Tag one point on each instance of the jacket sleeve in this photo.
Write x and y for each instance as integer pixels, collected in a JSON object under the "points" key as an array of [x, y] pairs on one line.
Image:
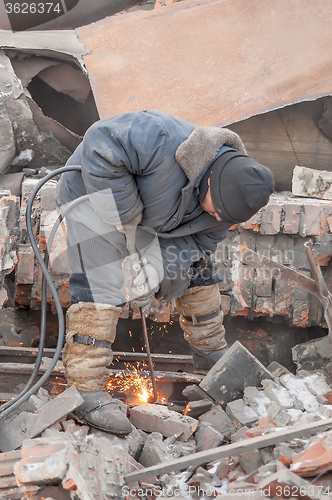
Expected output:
{"points": [[179, 254], [114, 152]]}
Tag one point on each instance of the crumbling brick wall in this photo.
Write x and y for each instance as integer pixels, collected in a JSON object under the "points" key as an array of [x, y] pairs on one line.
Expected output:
{"points": [[9, 234], [278, 232]]}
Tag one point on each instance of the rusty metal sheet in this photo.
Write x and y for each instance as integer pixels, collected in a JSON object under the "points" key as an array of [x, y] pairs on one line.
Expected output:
{"points": [[212, 62]]}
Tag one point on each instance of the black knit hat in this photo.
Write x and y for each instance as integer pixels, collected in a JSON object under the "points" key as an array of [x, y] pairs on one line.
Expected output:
{"points": [[239, 186]]}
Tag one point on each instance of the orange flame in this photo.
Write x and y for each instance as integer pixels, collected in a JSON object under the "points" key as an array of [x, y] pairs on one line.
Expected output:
{"points": [[134, 381], [186, 410]]}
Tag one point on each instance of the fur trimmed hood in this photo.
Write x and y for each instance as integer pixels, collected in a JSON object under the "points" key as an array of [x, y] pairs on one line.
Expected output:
{"points": [[198, 151]]}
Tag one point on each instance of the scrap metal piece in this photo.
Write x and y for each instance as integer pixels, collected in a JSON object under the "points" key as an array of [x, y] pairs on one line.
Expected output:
{"points": [[153, 398], [211, 63], [234, 371], [323, 295]]}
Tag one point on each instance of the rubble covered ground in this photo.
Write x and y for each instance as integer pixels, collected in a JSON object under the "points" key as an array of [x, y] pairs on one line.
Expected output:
{"points": [[259, 424], [267, 433]]}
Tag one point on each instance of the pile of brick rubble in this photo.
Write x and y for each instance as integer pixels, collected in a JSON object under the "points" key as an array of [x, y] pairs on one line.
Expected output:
{"points": [[46, 454]]}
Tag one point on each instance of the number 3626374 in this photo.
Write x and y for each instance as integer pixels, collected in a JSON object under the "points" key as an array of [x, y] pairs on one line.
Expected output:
{"points": [[33, 8]]}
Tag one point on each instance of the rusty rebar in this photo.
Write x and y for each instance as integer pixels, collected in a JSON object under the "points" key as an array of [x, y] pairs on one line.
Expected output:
{"points": [[153, 398]]}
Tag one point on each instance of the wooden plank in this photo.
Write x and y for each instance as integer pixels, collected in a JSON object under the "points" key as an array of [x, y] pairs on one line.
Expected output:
{"points": [[244, 446]]}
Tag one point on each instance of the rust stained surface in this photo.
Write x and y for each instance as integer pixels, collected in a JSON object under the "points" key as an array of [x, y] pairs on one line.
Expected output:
{"points": [[213, 62]]}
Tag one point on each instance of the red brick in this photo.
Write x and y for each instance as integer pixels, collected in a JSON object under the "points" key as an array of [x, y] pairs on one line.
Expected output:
{"points": [[263, 287], [286, 252], [282, 297], [315, 310], [253, 224], [242, 296], [326, 218], [225, 303], [271, 219], [300, 313], [264, 306], [25, 267], [292, 218], [298, 292], [47, 196], [220, 468], [310, 220]]}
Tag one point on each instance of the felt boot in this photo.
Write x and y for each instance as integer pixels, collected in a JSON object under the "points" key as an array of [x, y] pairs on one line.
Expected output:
{"points": [[201, 320], [91, 330]]}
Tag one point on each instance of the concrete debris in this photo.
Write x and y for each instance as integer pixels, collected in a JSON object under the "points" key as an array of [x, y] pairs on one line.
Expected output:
{"points": [[155, 418], [195, 393], [133, 443], [312, 183], [284, 454], [313, 355], [90, 466], [13, 431], [250, 461], [155, 450], [219, 420], [207, 437], [279, 394], [60, 457], [241, 414], [197, 408], [298, 390]]}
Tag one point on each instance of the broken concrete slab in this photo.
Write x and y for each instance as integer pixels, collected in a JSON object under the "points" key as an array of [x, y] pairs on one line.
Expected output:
{"points": [[157, 418], [278, 393], [277, 369], [257, 400], [317, 384], [312, 183], [207, 437], [250, 461], [194, 393], [155, 450], [237, 369], [133, 443], [196, 408], [219, 420], [313, 355], [298, 390], [28, 425], [241, 414]]}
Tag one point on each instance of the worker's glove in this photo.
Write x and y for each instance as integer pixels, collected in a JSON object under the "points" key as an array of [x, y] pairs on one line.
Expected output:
{"points": [[145, 285]]}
